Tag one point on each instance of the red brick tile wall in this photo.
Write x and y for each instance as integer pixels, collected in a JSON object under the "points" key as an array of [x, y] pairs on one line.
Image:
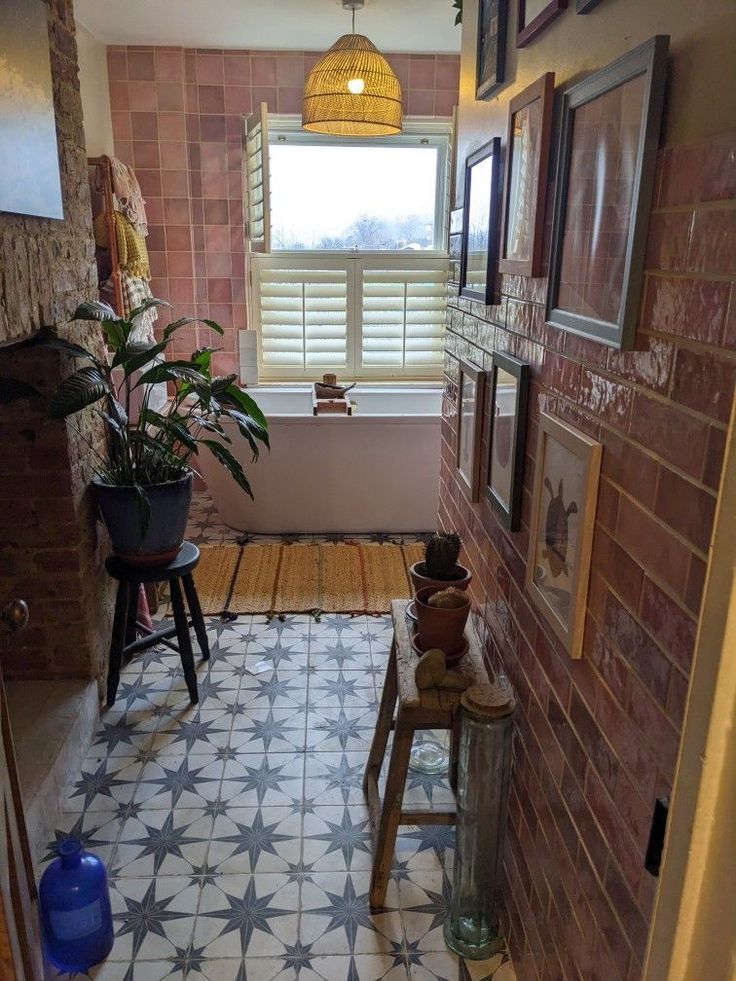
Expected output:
{"points": [[598, 738], [51, 547], [177, 119]]}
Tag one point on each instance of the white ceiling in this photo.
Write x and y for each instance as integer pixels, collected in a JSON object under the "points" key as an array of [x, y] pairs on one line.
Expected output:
{"points": [[393, 25]]}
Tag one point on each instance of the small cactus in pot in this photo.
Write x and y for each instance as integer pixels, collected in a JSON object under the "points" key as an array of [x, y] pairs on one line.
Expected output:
{"points": [[440, 564]]}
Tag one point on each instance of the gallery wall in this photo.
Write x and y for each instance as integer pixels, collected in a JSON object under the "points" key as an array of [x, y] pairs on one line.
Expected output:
{"points": [[598, 737]]}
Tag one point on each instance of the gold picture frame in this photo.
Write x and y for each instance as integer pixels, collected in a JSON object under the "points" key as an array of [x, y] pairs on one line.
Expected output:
{"points": [[566, 474]]}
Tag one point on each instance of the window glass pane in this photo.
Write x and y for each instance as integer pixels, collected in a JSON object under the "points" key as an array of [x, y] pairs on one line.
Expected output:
{"points": [[352, 197]]}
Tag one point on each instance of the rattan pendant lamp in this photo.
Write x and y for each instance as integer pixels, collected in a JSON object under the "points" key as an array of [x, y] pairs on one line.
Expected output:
{"points": [[352, 90]]}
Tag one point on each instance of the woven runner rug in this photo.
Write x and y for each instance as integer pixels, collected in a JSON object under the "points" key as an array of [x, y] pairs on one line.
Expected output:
{"points": [[346, 577]]}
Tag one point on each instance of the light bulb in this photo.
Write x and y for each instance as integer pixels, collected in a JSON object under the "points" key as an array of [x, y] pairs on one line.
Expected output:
{"points": [[356, 86]]}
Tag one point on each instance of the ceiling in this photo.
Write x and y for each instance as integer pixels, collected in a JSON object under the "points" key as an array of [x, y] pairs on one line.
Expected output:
{"points": [[393, 25]]}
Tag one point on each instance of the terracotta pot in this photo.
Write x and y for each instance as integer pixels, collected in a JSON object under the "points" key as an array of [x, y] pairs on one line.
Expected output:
{"points": [[437, 627], [450, 659], [420, 581], [121, 511]]}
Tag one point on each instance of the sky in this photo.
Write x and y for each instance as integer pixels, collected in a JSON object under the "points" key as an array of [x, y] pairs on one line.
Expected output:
{"points": [[320, 190]]}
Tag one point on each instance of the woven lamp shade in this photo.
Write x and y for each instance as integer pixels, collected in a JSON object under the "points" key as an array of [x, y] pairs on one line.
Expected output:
{"points": [[330, 107]]}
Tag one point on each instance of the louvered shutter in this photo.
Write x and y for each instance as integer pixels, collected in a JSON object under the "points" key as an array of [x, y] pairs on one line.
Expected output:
{"points": [[256, 177], [304, 312], [403, 314]]}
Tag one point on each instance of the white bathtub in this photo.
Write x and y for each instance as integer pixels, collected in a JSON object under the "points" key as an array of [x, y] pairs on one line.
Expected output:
{"points": [[377, 470]]}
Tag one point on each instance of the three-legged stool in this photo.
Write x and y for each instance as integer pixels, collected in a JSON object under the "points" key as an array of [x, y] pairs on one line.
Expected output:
{"points": [[429, 709], [177, 573]]}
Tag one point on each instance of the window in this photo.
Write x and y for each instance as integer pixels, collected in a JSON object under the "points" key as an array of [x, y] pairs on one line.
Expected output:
{"points": [[348, 262]]}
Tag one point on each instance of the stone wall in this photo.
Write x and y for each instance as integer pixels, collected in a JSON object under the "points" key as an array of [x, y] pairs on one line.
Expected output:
{"points": [[51, 548]]}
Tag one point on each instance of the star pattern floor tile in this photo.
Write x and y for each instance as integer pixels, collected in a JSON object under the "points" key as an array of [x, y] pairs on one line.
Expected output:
{"points": [[236, 833]]}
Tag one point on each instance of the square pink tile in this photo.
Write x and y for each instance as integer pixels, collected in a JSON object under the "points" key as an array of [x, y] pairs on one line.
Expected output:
{"points": [[159, 267], [289, 70], [192, 127], [261, 94], [212, 98], [401, 69], [171, 126], [145, 154], [141, 65], [421, 73], [212, 128], [154, 209], [290, 99], [237, 99], [173, 155], [170, 96], [175, 183], [444, 103], [150, 182], [210, 69], [217, 238], [169, 65], [420, 102], [121, 128], [181, 291], [144, 125], [142, 96], [214, 185], [447, 75], [117, 64], [177, 211], [263, 70], [237, 68], [214, 158], [219, 265], [180, 264], [216, 212], [191, 97], [119, 95], [219, 290]]}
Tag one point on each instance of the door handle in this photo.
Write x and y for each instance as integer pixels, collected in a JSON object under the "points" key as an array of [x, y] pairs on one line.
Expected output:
{"points": [[14, 616]]}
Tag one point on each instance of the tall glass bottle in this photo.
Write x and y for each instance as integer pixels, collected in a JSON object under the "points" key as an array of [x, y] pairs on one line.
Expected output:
{"points": [[484, 770]]}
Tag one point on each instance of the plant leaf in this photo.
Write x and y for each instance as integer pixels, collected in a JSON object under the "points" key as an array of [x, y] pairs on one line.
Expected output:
{"points": [[144, 509], [147, 305], [246, 403], [47, 338], [171, 371], [171, 425], [176, 324], [139, 359], [213, 325], [233, 467], [81, 389], [12, 389], [94, 310]]}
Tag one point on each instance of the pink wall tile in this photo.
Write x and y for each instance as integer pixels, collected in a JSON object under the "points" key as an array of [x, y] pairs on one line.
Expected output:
{"points": [[289, 70], [263, 70], [174, 155], [142, 96], [169, 65], [289, 100], [170, 96], [119, 95], [211, 98], [171, 126], [210, 69], [237, 68], [117, 64], [237, 99], [141, 66]]}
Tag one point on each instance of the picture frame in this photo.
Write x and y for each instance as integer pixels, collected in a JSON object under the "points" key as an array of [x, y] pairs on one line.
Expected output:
{"points": [[535, 16], [525, 181], [491, 50], [508, 397], [566, 474], [606, 164], [585, 6], [454, 244], [470, 396], [481, 223]]}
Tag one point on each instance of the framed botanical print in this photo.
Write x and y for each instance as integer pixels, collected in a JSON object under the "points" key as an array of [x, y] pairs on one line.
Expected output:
{"points": [[470, 394], [603, 194], [533, 16], [509, 392], [491, 58], [566, 471], [481, 220], [525, 184]]}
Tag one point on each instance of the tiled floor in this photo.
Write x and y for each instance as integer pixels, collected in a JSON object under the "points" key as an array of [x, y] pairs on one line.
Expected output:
{"points": [[236, 833]]}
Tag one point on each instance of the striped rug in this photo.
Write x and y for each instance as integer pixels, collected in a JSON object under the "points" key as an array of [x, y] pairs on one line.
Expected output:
{"points": [[274, 578]]}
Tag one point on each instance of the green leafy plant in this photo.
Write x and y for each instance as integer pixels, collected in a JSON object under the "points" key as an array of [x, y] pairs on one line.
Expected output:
{"points": [[458, 5], [158, 447]]}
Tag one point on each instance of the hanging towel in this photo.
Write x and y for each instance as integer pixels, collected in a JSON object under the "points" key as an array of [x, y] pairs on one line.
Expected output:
{"points": [[128, 192], [135, 292], [132, 250]]}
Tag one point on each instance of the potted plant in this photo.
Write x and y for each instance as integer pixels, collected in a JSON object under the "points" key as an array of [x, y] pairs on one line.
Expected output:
{"points": [[440, 566], [441, 617], [143, 482]]}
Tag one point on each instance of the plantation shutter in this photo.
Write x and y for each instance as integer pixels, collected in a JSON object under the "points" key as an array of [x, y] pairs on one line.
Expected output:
{"points": [[304, 315], [257, 189], [403, 314]]}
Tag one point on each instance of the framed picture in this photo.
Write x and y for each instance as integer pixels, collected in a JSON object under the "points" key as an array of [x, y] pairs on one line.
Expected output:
{"points": [[534, 16], [481, 220], [585, 6], [455, 240], [566, 471], [491, 59], [29, 157], [603, 194], [525, 184], [470, 393], [509, 392]]}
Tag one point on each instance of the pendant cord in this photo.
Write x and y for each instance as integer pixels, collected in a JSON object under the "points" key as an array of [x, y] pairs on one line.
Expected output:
{"points": [[353, 20]]}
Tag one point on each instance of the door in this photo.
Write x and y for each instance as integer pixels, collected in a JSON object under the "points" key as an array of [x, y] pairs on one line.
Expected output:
{"points": [[20, 951]]}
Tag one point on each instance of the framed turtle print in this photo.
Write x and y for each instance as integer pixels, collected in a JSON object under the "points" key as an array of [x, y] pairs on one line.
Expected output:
{"points": [[609, 139], [566, 471], [491, 58], [481, 221], [525, 184], [470, 394], [534, 16], [509, 390]]}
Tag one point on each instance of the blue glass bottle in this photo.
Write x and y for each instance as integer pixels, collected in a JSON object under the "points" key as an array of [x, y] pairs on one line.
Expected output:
{"points": [[74, 901]]}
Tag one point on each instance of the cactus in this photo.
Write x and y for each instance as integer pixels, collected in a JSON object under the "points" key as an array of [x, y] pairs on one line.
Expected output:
{"points": [[441, 554], [448, 599]]}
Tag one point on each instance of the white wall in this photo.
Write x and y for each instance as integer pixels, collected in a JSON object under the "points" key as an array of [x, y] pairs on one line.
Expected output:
{"points": [[95, 93]]}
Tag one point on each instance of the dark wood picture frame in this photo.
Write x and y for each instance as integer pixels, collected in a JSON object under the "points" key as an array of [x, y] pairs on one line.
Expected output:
{"points": [[510, 516], [526, 32], [541, 91], [491, 14], [649, 60], [491, 149], [476, 374], [585, 6]]}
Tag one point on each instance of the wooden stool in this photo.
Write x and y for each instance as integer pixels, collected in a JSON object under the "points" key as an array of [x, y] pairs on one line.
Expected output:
{"points": [[430, 709], [126, 606]]}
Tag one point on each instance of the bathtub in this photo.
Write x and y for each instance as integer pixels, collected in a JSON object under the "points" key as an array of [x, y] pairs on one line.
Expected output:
{"points": [[377, 470]]}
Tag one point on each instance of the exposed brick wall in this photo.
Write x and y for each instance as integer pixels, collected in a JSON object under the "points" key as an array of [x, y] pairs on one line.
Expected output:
{"points": [[177, 118], [598, 738], [50, 553]]}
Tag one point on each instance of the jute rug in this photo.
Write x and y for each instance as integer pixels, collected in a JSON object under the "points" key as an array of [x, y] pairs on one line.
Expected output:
{"points": [[347, 577]]}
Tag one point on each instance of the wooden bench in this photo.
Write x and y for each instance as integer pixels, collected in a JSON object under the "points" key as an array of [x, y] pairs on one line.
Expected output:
{"points": [[428, 709]]}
